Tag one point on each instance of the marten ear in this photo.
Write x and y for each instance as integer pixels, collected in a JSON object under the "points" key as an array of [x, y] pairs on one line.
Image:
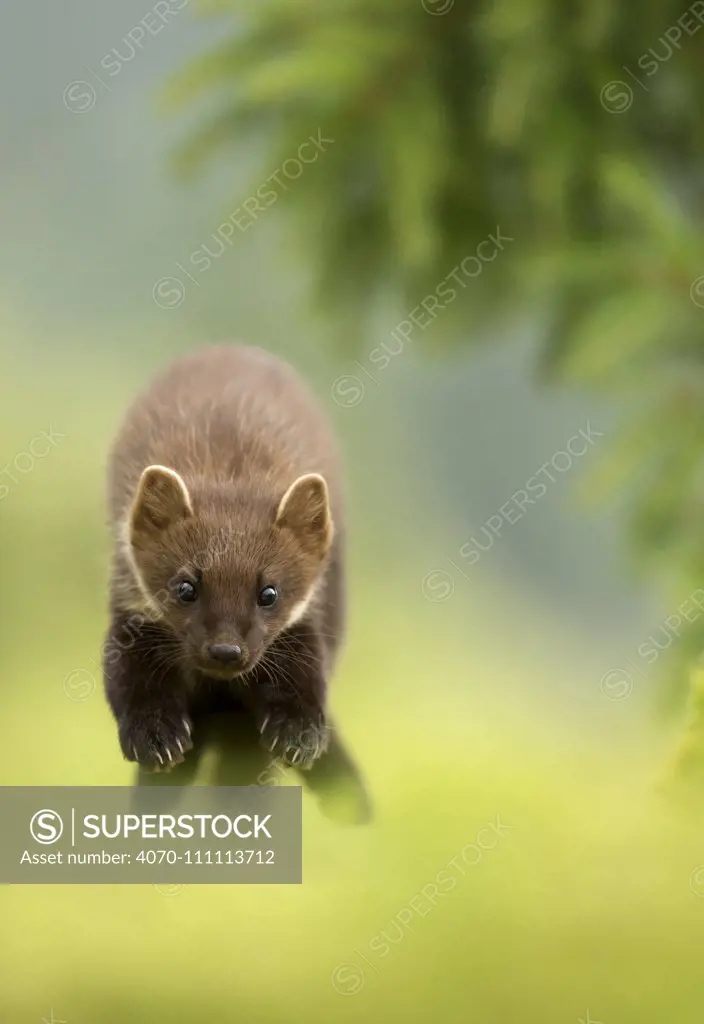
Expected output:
{"points": [[162, 499], [305, 510]]}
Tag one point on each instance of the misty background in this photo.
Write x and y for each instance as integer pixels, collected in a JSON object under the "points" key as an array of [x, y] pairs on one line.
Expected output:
{"points": [[467, 692], [92, 220]]}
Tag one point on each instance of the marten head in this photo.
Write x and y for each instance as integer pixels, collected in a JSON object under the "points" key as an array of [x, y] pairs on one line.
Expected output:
{"points": [[227, 569]]}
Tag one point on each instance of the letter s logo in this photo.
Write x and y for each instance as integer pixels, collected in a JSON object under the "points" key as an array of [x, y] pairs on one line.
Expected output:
{"points": [[79, 97], [46, 827]]}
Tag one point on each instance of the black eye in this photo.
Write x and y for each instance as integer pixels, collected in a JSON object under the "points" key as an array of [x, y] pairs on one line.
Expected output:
{"points": [[186, 592], [267, 597]]}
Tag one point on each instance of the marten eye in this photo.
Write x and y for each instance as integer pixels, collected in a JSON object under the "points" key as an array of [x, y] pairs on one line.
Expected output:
{"points": [[268, 596], [186, 592]]}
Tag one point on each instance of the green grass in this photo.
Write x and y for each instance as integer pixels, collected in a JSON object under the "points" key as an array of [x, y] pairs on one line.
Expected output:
{"points": [[584, 903]]}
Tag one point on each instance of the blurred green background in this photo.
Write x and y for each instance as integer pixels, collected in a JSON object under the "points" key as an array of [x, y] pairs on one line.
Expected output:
{"points": [[511, 689]]}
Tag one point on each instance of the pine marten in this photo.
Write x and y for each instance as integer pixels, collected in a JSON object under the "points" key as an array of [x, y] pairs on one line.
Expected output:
{"points": [[226, 510]]}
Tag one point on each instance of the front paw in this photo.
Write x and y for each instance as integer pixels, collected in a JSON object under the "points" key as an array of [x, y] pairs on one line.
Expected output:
{"points": [[296, 738], [156, 740]]}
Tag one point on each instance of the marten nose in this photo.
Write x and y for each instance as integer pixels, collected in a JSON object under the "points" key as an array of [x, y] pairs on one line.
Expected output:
{"points": [[229, 654]]}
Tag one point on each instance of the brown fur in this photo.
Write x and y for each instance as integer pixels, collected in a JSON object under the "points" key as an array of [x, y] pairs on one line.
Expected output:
{"points": [[224, 474]]}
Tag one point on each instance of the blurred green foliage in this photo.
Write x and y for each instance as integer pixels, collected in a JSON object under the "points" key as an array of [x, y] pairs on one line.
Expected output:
{"points": [[575, 128]]}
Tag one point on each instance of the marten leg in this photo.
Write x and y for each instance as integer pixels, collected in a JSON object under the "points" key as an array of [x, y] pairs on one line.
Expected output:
{"points": [[289, 698], [147, 693]]}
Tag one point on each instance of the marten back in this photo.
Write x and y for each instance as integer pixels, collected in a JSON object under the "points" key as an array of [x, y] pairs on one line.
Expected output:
{"points": [[224, 415]]}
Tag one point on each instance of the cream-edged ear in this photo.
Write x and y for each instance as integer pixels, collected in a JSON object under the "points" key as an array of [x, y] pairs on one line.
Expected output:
{"points": [[305, 510], [162, 499]]}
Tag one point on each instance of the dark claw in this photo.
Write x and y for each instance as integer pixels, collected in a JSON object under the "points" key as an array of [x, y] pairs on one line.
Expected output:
{"points": [[296, 740], [155, 740]]}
